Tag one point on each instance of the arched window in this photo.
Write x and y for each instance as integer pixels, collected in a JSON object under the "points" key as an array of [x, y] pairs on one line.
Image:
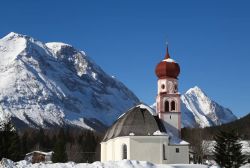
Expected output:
{"points": [[124, 151], [175, 88], [173, 106], [166, 106], [164, 152]]}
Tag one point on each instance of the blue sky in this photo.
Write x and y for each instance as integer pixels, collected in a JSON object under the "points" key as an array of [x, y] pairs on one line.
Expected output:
{"points": [[210, 40]]}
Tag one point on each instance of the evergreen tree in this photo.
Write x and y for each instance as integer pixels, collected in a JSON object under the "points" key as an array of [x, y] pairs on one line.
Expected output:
{"points": [[43, 141], [60, 154], [227, 151], [14, 148], [2, 141], [24, 144], [88, 145], [9, 142]]}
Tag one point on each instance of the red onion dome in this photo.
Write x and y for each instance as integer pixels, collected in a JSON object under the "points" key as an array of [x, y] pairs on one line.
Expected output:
{"points": [[167, 68]]}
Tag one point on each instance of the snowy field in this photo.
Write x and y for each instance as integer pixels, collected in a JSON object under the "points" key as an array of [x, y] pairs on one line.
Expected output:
{"points": [[5, 163]]}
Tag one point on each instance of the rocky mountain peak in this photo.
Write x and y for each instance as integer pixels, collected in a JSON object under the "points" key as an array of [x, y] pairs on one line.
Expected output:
{"points": [[199, 108], [54, 84]]}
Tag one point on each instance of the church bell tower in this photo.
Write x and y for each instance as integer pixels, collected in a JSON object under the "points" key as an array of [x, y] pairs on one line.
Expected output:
{"points": [[168, 97]]}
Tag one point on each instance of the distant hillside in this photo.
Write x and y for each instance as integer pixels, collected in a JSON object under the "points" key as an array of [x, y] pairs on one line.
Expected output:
{"points": [[240, 126]]}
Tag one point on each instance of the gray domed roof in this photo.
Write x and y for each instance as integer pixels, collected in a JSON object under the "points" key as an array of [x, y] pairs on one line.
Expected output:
{"points": [[138, 121]]}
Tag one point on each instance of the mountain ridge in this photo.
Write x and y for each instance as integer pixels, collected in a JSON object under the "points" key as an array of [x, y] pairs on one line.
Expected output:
{"points": [[206, 111], [56, 84], [198, 110]]}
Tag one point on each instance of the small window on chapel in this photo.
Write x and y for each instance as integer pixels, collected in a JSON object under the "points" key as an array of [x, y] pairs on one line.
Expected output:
{"points": [[124, 151], [177, 150], [162, 86], [164, 152]]}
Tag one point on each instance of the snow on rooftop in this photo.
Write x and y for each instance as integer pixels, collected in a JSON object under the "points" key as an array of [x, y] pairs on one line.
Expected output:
{"points": [[174, 139], [182, 142], [144, 106], [158, 132], [169, 60], [40, 152], [177, 141]]}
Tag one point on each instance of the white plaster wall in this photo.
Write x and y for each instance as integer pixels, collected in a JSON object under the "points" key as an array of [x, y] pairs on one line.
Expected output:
{"points": [[112, 149], [162, 82], [103, 151], [181, 157], [118, 143], [148, 148], [109, 150], [144, 148], [165, 82], [171, 124]]}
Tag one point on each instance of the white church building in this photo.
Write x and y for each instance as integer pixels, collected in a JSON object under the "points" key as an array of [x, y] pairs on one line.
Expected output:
{"points": [[146, 135]]}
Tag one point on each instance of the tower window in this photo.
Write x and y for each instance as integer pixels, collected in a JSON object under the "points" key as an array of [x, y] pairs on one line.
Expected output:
{"points": [[166, 106], [173, 106], [177, 150], [164, 152], [124, 151], [163, 86], [175, 88]]}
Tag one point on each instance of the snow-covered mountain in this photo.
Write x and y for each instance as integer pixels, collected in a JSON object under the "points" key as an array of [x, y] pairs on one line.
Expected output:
{"points": [[53, 84], [198, 110]]}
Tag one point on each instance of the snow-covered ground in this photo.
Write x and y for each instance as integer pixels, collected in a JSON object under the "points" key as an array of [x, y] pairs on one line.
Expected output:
{"points": [[5, 163]]}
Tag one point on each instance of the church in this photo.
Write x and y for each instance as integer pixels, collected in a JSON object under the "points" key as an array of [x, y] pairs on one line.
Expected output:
{"points": [[147, 135]]}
